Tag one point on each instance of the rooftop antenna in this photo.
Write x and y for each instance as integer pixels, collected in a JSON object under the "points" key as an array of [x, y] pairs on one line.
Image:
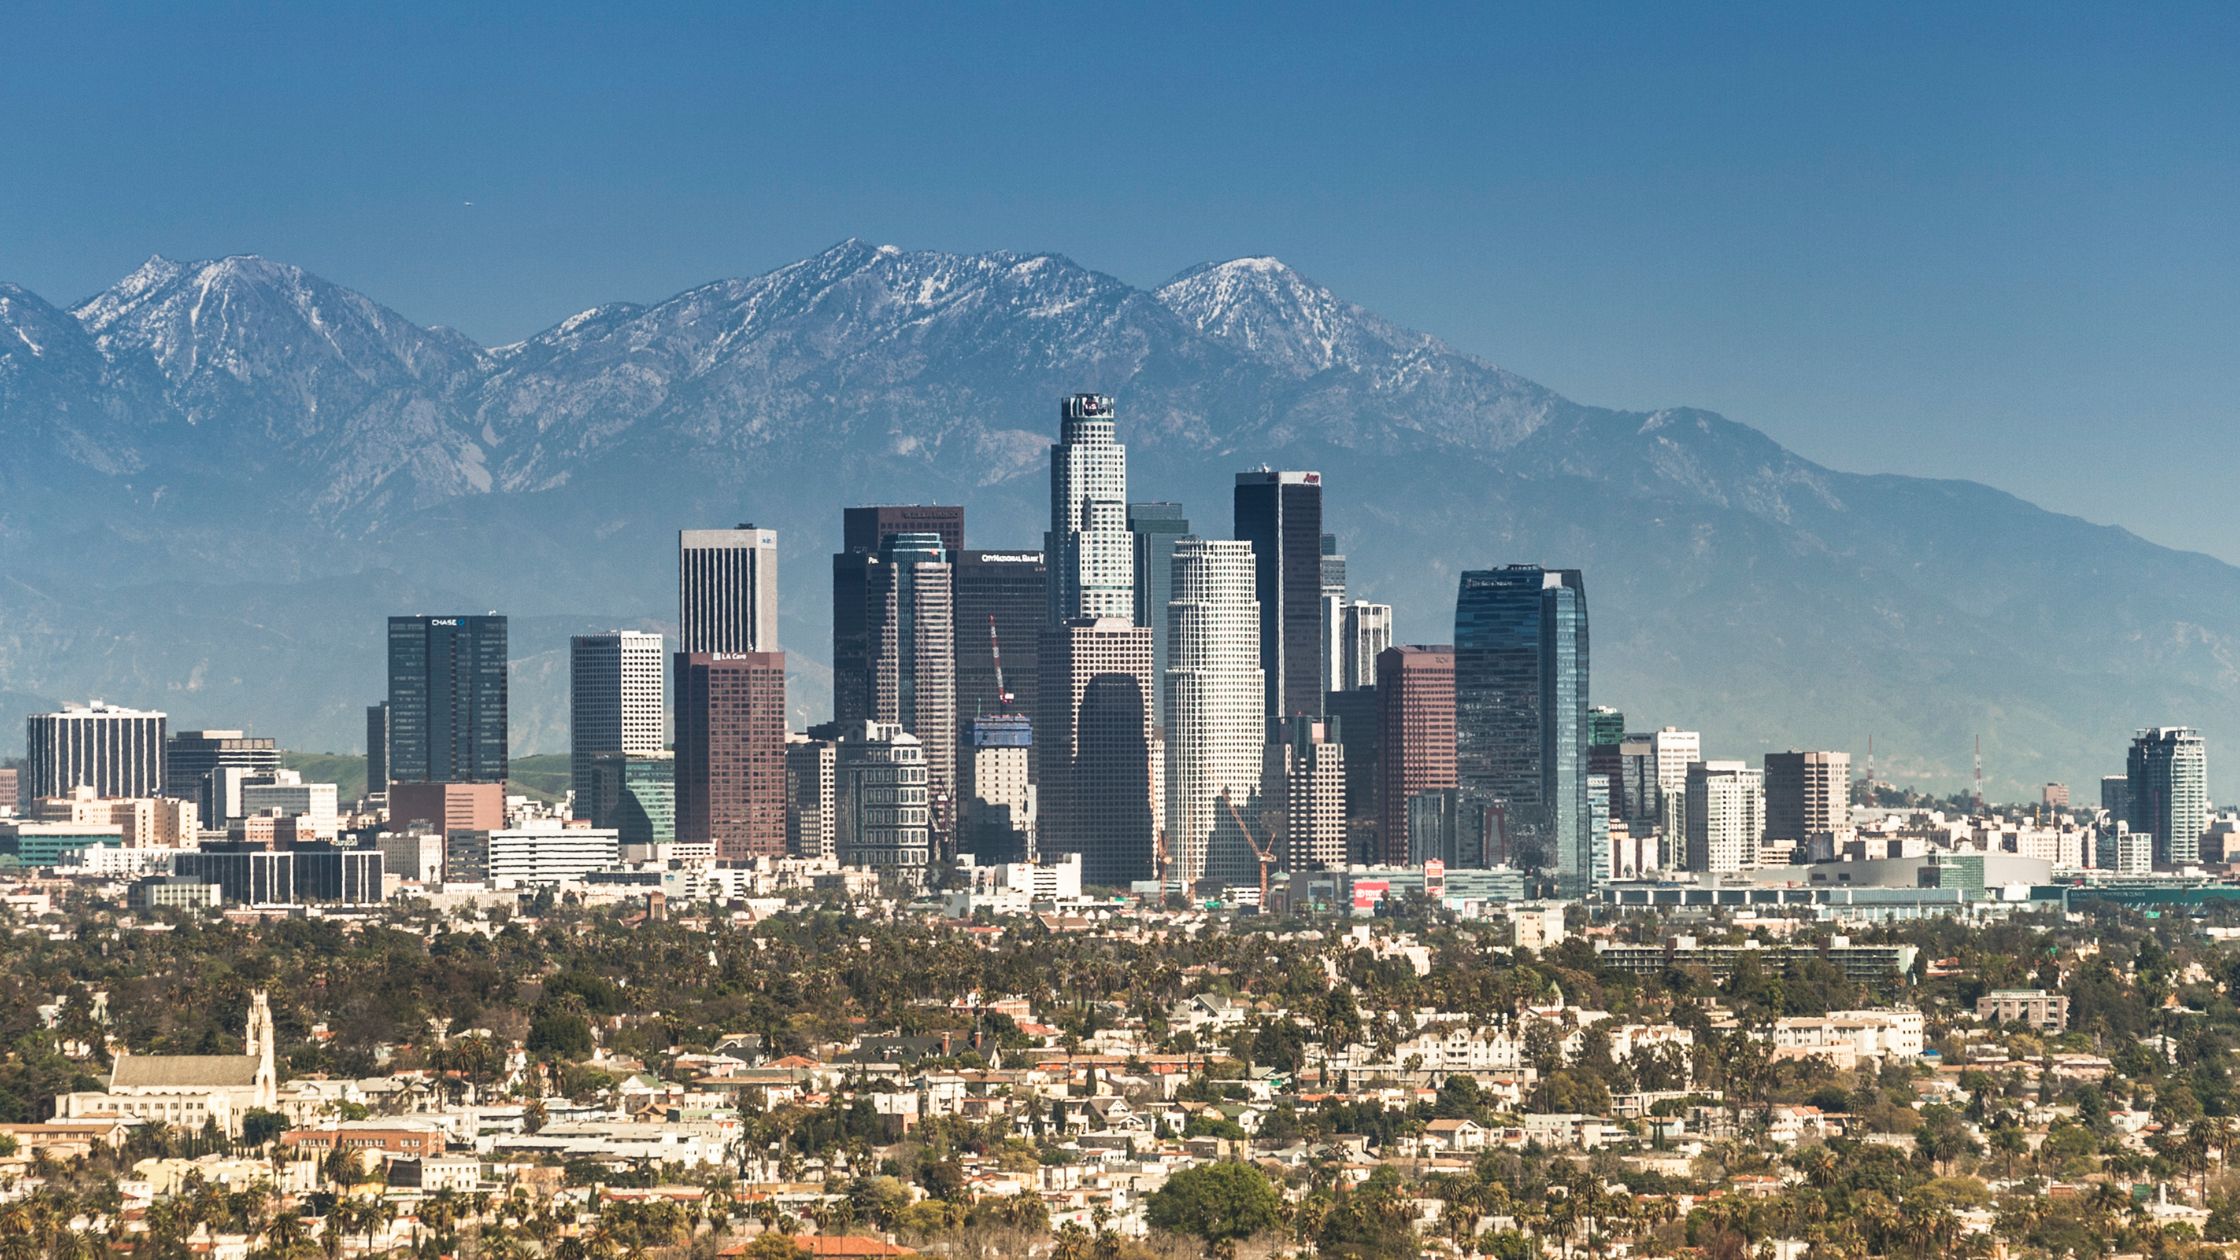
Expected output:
{"points": [[1979, 774]]}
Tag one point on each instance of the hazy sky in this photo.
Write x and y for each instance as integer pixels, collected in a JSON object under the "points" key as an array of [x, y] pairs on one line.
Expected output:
{"points": [[1999, 242]]}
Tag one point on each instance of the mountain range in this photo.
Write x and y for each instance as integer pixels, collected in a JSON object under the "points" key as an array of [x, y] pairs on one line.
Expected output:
{"points": [[217, 478]]}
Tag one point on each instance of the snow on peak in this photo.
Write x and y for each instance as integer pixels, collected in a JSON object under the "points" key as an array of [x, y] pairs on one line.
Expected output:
{"points": [[1263, 306]]}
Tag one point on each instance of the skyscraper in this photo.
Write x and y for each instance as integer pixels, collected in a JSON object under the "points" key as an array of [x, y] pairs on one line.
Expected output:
{"points": [[1415, 737], [1521, 715], [1280, 514], [912, 637], [1726, 816], [812, 793], [377, 749], [727, 590], [864, 534], [1653, 774], [1334, 645], [1091, 553], [1808, 794], [1093, 739], [1368, 632], [1214, 734], [1013, 589], [1307, 786], [447, 699], [2169, 792], [1155, 527], [614, 704], [118, 752], [731, 753], [1354, 719]]}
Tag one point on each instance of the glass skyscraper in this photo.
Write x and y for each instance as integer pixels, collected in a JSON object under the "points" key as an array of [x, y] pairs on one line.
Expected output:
{"points": [[2168, 795], [1280, 514], [447, 699], [1521, 718]]}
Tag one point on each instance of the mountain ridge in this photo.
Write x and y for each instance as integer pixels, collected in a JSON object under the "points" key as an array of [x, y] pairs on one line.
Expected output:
{"points": [[241, 430]]}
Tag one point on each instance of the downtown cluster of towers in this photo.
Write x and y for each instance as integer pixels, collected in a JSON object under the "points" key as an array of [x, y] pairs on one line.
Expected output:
{"points": [[1168, 706]]}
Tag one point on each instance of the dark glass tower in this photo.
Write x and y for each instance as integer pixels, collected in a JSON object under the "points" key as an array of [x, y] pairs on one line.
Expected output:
{"points": [[864, 532], [1155, 526], [1521, 724], [1013, 588], [1280, 514], [447, 699]]}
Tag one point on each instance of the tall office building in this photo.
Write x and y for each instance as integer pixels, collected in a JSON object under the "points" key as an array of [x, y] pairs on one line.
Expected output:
{"points": [[1652, 776], [865, 532], [1306, 785], [727, 590], [190, 756], [731, 753], [1214, 733], [912, 636], [1521, 715], [1091, 553], [377, 750], [812, 788], [998, 823], [1334, 646], [2169, 792], [1808, 794], [1726, 816], [614, 704], [1011, 589], [882, 815], [118, 752], [1093, 739], [447, 699], [1280, 514], [1368, 632], [1415, 738], [1155, 527], [1354, 720]]}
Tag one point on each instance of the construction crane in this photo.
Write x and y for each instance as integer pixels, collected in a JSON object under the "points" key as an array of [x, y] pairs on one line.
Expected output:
{"points": [[995, 650], [1265, 855]]}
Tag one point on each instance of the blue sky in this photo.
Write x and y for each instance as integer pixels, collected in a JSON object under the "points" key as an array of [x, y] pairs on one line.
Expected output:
{"points": [[1990, 241]]}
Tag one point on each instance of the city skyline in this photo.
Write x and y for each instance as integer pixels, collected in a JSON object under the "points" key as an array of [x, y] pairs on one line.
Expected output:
{"points": [[1865, 195]]}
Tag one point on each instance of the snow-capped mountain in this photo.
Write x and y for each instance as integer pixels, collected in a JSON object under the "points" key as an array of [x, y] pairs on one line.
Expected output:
{"points": [[220, 475]]}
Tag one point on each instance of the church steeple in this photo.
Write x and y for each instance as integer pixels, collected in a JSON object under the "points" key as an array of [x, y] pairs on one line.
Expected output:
{"points": [[261, 1040]]}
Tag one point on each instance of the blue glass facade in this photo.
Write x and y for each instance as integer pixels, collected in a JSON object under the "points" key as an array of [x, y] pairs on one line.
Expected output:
{"points": [[1521, 718]]}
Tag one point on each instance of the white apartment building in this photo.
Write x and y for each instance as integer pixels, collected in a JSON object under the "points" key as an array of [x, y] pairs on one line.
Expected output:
{"points": [[1726, 815]]}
